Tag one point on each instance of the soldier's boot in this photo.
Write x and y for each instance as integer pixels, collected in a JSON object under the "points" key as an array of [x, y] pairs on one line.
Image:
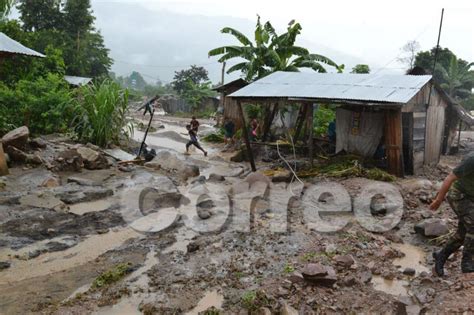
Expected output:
{"points": [[441, 256], [467, 262]]}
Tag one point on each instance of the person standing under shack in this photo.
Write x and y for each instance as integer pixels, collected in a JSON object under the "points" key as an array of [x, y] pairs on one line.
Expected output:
{"points": [[254, 125], [229, 129], [193, 140], [459, 186], [194, 124]]}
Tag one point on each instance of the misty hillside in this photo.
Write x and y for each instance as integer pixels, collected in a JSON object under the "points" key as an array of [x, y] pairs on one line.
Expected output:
{"points": [[157, 43]]}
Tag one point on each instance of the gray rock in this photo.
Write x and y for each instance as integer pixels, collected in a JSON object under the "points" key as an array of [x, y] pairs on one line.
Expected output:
{"points": [[93, 160], [16, 138], [409, 271], [366, 276], [216, 178], [204, 214], [82, 181], [344, 260], [71, 194], [38, 143], [4, 265], [286, 309], [432, 228]]}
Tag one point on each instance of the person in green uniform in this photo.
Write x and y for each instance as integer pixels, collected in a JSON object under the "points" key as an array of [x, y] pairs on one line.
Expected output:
{"points": [[459, 186]]}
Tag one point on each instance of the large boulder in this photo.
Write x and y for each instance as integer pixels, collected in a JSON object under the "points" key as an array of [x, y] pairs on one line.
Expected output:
{"points": [[319, 274], [93, 160], [16, 138], [432, 227], [171, 162]]}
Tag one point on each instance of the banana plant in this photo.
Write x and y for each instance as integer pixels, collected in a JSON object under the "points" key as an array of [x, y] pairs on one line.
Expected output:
{"points": [[270, 52]]}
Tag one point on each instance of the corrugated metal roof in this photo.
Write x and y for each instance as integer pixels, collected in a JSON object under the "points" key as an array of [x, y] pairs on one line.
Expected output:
{"points": [[336, 86], [78, 81], [10, 46]]}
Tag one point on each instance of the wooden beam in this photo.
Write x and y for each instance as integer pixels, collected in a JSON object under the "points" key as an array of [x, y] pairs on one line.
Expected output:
{"points": [[393, 142], [299, 122], [245, 132], [268, 121], [309, 127]]}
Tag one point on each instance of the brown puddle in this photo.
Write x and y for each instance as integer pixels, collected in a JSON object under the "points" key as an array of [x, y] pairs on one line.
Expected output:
{"points": [[48, 263], [393, 287], [210, 299], [414, 258]]}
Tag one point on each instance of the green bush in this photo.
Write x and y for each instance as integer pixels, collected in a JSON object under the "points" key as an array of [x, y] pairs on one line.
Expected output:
{"points": [[322, 117], [44, 105], [102, 113]]}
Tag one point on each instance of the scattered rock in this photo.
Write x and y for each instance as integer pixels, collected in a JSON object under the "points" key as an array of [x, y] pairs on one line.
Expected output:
{"points": [[82, 181], [432, 228], [282, 176], [349, 281], [409, 271], [16, 138], [69, 160], [192, 247], [4, 265], [71, 194], [238, 156], [45, 200], [344, 260], [296, 277], [93, 160], [190, 171], [38, 143], [33, 254], [51, 182], [216, 178], [256, 177], [319, 274], [264, 311], [286, 309], [204, 214], [366, 276]]}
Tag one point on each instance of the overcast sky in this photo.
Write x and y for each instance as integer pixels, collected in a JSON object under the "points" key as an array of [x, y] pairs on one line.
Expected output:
{"points": [[371, 30]]}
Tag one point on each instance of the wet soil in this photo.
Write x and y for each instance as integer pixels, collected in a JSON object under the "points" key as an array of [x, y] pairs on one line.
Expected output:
{"points": [[56, 253]]}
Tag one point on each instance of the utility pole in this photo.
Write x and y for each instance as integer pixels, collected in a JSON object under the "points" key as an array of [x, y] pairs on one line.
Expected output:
{"points": [[223, 73]]}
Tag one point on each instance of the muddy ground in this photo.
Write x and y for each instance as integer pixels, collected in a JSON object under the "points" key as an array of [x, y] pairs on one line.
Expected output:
{"points": [[61, 229]]}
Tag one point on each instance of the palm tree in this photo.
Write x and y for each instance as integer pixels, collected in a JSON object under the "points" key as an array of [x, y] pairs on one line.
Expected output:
{"points": [[457, 78], [270, 52]]}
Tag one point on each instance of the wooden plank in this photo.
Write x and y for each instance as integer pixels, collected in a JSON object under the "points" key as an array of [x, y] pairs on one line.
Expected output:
{"points": [[393, 142], [407, 124], [418, 133], [435, 123], [309, 126], [245, 132], [299, 122]]}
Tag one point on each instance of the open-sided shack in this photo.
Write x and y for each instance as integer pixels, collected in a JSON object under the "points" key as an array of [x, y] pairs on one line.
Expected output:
{"points": [[396, 110]]}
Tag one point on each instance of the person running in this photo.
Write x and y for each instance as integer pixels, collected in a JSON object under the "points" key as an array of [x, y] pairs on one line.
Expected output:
{"points": [[459, 186], [194, 124], [193, 140]]}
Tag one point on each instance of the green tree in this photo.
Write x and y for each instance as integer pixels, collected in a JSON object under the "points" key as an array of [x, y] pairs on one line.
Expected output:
{"points": [[452, 73], [361, 68], [38, 15], [195, 74], [270, 52], [196, 93]]}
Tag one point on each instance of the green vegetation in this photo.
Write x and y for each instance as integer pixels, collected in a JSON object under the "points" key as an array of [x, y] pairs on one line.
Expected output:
{"points": [[288, 268], [270, 52], [216, 137], [347, 166], [101, 116], [43, 104], [360, 68], [111, 276], [323, 116], [452, 73]]}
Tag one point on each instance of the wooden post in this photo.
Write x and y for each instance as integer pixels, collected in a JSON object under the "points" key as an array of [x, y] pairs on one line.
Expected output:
{"points": [[3, 162], [299, 122], [393, 142], [309, 127], [245, 132], [459, 134], [268, 121]]}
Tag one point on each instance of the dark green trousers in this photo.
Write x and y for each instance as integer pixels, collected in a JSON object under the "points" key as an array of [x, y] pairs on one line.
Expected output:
{"points": [[463, 206]]}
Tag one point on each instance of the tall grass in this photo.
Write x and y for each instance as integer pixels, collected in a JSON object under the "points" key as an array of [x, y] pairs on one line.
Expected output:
{"points": [[102, 113]]}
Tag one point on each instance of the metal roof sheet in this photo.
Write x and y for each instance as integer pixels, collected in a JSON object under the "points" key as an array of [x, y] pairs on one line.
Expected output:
{"points": [[386, 88], [10, 46], [78, 81]]}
